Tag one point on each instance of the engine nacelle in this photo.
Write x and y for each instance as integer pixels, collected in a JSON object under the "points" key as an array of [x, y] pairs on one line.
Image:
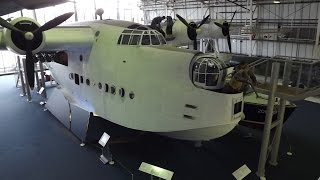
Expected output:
{"points": [[16, 41]]}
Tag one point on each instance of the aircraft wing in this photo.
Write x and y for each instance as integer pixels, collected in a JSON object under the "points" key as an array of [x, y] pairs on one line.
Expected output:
{"points": [[9, 6], [60, 38], [25, 36]]}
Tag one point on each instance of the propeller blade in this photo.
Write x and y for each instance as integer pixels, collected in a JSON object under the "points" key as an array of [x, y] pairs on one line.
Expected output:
{"points": [[232, 17], [54, 22], [183, 21], [203, 21], [30, 68], [218, 24], [195, 44], [6, 24], [229, 42]]}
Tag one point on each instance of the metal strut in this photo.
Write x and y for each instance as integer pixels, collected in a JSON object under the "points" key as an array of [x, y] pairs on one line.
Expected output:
{"points": [[268, 120]]}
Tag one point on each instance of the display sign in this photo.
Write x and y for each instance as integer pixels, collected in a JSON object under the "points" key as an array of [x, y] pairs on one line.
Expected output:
{"points": [[156, 171], [242, 172], [41, 90], [104, 139]]}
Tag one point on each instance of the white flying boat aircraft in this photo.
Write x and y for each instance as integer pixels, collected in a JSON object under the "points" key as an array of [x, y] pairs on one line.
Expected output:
{"points": [[127, 74]]}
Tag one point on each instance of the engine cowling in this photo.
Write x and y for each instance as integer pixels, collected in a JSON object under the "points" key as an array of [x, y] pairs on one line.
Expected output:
{"points": [[16, 41]]}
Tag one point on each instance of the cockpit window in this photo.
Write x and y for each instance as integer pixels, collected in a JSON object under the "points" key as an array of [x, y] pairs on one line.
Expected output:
{"points": [[155, 40], [162, 40], [120, 38], [127, 31], [137, 32], [145, 40], [125, 39], [141, 37], [135, 39]]}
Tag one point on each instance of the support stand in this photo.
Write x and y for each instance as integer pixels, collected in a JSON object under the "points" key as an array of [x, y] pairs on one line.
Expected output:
{"points": [[280, 117], [43, 81], [268, 120], [37, 81], [27, 83], [21, 76], [106, 155], [41, 88]]}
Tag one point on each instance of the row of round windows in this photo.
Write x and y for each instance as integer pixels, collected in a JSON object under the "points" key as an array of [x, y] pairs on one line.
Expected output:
{"points": [[112, 89]]}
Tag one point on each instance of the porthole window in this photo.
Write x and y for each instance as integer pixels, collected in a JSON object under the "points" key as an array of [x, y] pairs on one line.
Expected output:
{"points": [[121, 92], [71, 76], [97, 33], [76, 79], [131, 95], [100, 85], [113, 90], [106, 87], [88, 82]]}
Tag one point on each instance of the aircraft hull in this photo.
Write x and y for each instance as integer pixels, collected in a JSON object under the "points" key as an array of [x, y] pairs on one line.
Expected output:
{"points": [[255, 115], [164, 98], [202, 134], [255, 110]]}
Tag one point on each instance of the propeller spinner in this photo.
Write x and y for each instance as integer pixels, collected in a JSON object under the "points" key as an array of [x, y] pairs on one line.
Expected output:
{"points": [[28, 37], [225, 26], [192, 29]]}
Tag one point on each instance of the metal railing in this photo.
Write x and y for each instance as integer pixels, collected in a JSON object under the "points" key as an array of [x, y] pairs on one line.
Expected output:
{"points": [[303, 76]]}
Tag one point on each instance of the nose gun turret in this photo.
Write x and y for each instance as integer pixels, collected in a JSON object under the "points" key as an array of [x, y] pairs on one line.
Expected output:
{"points": [[208, 72]]}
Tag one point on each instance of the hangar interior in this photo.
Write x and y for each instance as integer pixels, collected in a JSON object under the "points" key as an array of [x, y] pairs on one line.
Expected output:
{"points": [[260, 28], [46, 135]]}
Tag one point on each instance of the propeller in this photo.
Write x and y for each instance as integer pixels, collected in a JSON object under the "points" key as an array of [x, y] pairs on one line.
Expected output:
{"points": [[225, 26], [29, 37], [192, 29]]}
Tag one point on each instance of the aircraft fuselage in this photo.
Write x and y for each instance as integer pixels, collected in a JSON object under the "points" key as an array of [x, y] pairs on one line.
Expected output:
{"points": [[153, 80]]}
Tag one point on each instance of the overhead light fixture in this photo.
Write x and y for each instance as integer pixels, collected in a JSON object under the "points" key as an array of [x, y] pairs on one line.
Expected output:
{"points": [[276, 2]]}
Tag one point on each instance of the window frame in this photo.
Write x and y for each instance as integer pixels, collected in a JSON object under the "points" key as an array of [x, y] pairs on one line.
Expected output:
{"points": [[155, 38]]}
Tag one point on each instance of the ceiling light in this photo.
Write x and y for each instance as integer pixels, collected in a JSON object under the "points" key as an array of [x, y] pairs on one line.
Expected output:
{"points": [[276, 2]]}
